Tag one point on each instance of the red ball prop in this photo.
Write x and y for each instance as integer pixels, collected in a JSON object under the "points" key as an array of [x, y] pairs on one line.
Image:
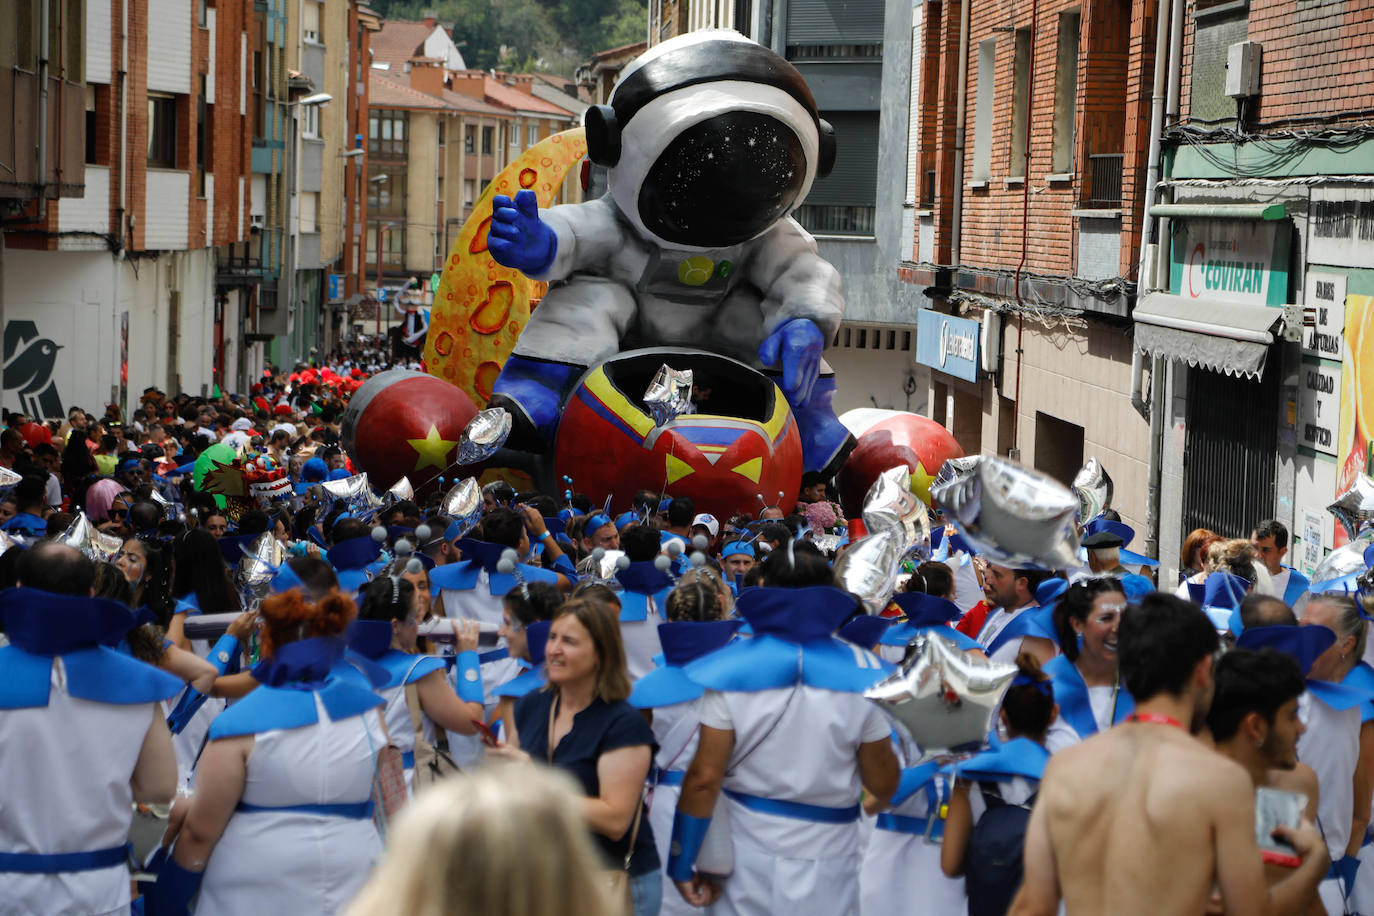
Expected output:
{"points": [[403, 423], [901, 438]]}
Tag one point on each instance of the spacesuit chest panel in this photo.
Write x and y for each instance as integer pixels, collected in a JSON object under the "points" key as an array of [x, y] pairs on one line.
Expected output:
{"points": [[691, 279]]}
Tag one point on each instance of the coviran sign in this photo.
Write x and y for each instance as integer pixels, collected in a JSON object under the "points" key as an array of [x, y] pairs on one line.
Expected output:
{"points": [[1232, 260]]}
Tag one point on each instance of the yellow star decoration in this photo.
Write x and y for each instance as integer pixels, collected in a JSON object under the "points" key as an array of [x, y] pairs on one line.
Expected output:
{"points": [[432, 449], [920, 482]]}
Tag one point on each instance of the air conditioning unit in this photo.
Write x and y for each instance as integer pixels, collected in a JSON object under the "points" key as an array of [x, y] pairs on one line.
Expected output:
{"points": [[1243, 69], [256, 222]]}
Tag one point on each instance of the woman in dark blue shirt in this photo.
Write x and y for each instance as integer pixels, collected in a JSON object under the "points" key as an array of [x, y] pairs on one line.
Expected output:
{"points": [[603, 742]]}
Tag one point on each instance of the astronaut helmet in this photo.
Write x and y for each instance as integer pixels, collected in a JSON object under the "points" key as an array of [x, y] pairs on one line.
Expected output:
{"points": [[710, 139]]}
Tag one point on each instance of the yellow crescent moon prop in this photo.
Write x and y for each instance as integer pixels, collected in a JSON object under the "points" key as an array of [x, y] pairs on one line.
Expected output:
{"points": [[480, 306]]}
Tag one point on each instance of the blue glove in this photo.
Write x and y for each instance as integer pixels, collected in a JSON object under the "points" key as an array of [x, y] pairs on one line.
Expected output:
{"points": [[1345, 870], [468, 682], [798, 344], [175, 889], [517, 237]]}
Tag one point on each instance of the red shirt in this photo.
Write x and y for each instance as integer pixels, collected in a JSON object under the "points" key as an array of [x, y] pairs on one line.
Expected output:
{"points": [[972, 621]]}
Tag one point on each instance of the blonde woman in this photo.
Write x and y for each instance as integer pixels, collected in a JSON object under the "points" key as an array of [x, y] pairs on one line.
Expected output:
{"points": [[523, 845]]}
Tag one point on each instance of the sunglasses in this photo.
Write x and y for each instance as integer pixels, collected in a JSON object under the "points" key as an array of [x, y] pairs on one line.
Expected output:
{"points": [[117, 513]]}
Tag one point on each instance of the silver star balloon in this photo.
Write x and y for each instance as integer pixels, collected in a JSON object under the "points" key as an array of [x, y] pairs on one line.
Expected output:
{"points": [[463, 503], [1012, 515], [1094, 490], [955, 469], [401, 490], [1355, 507], [94, 543], [942, 700], [1345, 561], [896, 521], [354, 492], [890, 505], [669, 394], [484, 435], [257, 568]]}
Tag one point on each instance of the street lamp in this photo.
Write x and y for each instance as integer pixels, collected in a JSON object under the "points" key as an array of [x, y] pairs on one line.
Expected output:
{"points": [[382, 230]]}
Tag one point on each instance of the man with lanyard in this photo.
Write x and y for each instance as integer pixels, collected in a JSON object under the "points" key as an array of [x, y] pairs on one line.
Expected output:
{"points": [[736, 559], [1271, 541], [1144, 818], [1008, 630], [82, 737]]}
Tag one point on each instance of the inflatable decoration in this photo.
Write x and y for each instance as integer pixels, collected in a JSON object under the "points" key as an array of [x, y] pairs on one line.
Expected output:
{"points": [[710, 142], [886, 439], [403, 423], [481, 306], [741, 443]]}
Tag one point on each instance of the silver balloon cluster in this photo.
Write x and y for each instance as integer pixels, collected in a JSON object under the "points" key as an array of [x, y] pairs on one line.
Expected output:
{"points": [[1012, 515], [484, 435], [896, 522], [669, 395], [600, 567], [463, 504], [1355, 507], [94, 543], [355, 493], [955, 469], [8, 479], [1093, 487], [942, 700], [257, 568], [1348, 560]]}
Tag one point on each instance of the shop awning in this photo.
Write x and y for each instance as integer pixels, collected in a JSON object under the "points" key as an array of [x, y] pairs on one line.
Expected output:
{"points": [[1227, 337]]}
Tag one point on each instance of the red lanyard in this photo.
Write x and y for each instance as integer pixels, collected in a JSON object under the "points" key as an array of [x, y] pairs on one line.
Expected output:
{"points": [[1153, 718]]}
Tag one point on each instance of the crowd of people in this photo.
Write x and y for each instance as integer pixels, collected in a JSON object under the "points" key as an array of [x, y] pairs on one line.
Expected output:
{"points": [[574, 709]]}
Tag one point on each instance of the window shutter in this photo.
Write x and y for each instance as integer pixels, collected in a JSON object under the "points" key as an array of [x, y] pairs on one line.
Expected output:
{"points": [[834, 22], [853, 182]]}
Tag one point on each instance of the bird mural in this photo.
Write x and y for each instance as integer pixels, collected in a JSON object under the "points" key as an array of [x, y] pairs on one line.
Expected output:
{"points": [[28, 368]]}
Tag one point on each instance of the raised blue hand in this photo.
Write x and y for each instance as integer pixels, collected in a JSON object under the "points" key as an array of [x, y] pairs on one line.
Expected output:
{"points": [[518, 238], [798, 344]]}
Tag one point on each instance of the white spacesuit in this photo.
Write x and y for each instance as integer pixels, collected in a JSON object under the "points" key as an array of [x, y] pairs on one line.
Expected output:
{"points": [[710, 141]]}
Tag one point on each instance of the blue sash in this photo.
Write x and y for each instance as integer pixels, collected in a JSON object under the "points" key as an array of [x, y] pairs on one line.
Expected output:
{"points": [[1072, 696], [408, 759], [1014, 629], [903, 823], [354, 810], [38, 863], [796, 810], [669, 777]]}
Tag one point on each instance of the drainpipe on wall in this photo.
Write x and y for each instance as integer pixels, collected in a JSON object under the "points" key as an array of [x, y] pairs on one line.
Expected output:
{"points": [[960, 111], [43, 26]]}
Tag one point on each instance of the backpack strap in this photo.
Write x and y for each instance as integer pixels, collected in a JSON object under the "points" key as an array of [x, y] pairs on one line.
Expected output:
{"points": [[992, 795]]}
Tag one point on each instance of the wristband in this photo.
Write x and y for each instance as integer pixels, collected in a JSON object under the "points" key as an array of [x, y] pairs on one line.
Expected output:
{"points": [[223, 653], [688, 835], [176, 887], [467, 677]]}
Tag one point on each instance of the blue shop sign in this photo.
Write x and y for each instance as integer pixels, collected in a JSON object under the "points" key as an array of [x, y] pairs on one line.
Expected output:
{"points": [[336, 287], [948, 343]]}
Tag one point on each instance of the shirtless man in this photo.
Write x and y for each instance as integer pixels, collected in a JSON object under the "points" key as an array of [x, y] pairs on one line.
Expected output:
{"points": [[1144, 818], [1254, 721]]}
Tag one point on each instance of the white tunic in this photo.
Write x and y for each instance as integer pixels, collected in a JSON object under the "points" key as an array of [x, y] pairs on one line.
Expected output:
{"points": [[996, 621], [1331, 747], [293, 862], [786, 865], [479, 604], [641, 642], [66, 771], [901, 872], [676, 731]]}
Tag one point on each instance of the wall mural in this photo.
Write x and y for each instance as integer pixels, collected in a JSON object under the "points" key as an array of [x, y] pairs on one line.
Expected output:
{"points": [[28, 370]]}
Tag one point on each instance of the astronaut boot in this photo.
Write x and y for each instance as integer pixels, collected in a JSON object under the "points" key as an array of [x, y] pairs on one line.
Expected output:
{"points": [[826, 443], [533, 390]]}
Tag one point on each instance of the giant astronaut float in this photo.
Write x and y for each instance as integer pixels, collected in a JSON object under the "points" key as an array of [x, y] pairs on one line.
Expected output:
{"points": [[711, 142]]}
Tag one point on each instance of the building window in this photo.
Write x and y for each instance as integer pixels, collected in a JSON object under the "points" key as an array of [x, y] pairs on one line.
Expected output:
{"points": [[984, 98], [469, 191], [488, 140], [818, 29], [532, 134], [310, 21], [310, 121], [469, 139], [1020, 107], [386, 134], [1065, 91], [91, 120], [202, 138], [844, 202], [393, 245], [162, 131], [515, 136], [386, 192], [309, 204]]}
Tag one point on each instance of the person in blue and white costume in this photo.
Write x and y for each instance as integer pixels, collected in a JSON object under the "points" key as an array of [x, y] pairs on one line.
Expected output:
{"points": [[736, 559], [645, 584], [473, 589], [671, 694], [1011, 629], [281, 821], [1109, 555], [1007, 774], [1333, 712], [1087, 679], [82, 737], [923, 614], [901, 870], [1271, 543], [948, 547], [355, 560], [525, 618], [385, 633], [788, 737]]}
